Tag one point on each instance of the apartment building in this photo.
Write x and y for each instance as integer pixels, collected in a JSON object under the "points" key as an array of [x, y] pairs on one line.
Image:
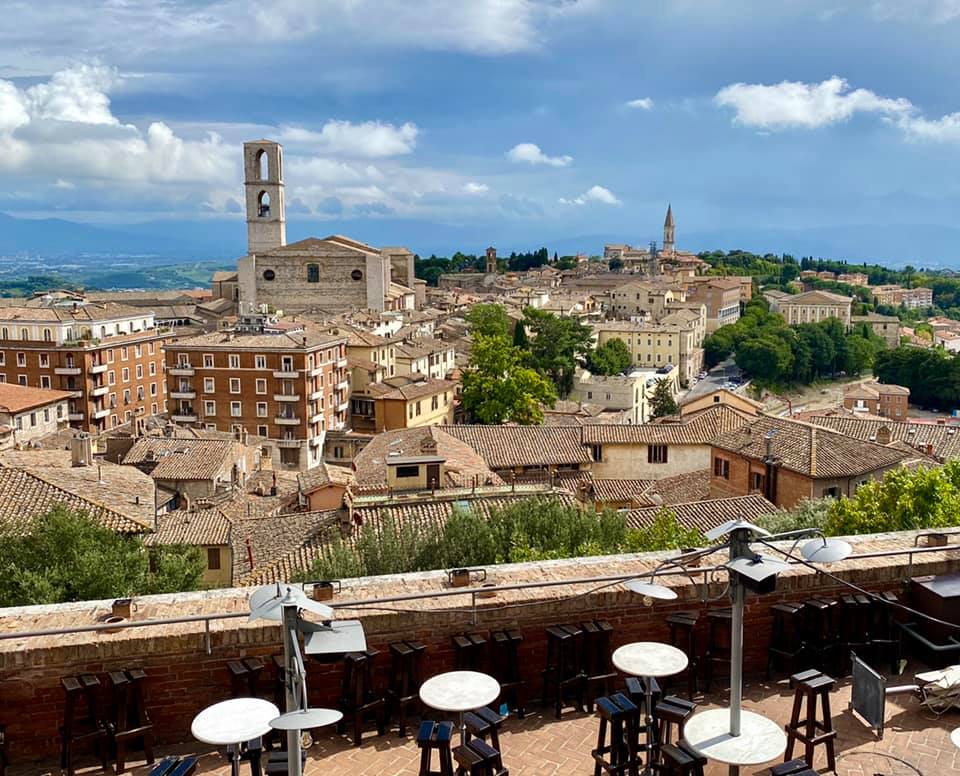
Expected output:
{"points": [[657, 345], [289, 388], [643, 300], [720, 295], [911, 298], [887, 401], [815, 306], [29, 413], [107, 356], [425, 356]]}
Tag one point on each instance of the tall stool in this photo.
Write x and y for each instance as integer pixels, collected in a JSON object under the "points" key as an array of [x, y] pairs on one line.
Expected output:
{"points": [[130, 721], [358, 698], [683, 636], [786, 637], [718, 647], [672, 712], [810, 688], [484, 724], [468, 651], [595, 659], [435, 737], [478, 758], [820, 636], [637, 692], [680, 760], [404, 682], [855, 624], [81, 725], [505, 662], [885, 636], [563, 667], [620, 717], [792, 768]]}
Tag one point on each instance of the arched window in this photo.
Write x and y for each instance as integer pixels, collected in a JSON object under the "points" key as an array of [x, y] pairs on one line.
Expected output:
{"points": [[103, 332], [47, 335], [4, 334], [313, 273], [263, 162], [263, 205], [24, 334]]}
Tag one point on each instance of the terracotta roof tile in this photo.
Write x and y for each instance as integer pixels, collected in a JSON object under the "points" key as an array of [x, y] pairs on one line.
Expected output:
{"points": [[183, 459], [504, 447], [697, 429], [704, 515], [19, 398], [944, 440], [201, 527]]}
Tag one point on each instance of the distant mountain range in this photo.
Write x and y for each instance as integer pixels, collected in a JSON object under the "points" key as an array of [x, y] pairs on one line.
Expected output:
{"points": [[917, 244]]}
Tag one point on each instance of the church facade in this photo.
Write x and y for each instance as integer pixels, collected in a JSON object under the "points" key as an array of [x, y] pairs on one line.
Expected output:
{"points": [[329, 275]]}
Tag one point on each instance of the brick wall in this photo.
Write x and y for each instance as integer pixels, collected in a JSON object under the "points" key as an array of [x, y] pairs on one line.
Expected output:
{"points": [[183, 679]]}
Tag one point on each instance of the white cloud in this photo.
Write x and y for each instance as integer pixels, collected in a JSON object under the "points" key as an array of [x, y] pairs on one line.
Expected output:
{"points": [[78, 94], [792, 104], [530, 153], [472, 187], [936, 11], [593, 194], [371, 139], [946, 129], [644, 103]]}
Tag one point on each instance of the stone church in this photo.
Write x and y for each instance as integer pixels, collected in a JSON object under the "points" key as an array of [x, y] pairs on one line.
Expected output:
{"points": [[333, 274]]}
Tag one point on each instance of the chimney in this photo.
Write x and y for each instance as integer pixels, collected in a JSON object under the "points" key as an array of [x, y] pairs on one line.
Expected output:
{"points": [[81, 449], [883, 435]]}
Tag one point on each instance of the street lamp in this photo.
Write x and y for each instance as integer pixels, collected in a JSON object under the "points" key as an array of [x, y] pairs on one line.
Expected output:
{"points": [[724, 736]]}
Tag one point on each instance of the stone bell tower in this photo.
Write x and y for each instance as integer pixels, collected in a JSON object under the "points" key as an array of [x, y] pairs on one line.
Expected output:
{"points": [[491, 261], [263, 186], [669, 246]]}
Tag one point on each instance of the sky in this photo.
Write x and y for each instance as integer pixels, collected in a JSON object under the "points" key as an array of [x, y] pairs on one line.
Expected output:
{"points": [[522, 119]]}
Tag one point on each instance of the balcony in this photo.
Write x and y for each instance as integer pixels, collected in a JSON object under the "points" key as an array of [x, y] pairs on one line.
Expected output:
{"points": [[100, 390], [316, 395], [98, 369], [191, 394], [181, 418], [343, 385], [74, 394], [343, 406], [75, 417], [286, 397], [287, 420], [342, 363], [286, 374], [289, 443], [98, 414], [316, 418], [67, 370], [181, 371]]}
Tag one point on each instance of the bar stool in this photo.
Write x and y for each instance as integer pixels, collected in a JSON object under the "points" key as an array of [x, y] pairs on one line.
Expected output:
{"points": [[810, 688], [358, 698], [792, 768], [563, 667], [404, 682], [619, 756], [595, 659], [130, 721], [820, 636], [478, 758], [81, 727], [279, 682], [637, 692], [718, 648], [786, 637], [885, 635], [672, 712], [435, 737], [482, 725], [468, 651], [683, 635], [680, 760], [855, 624], [504, 658]]}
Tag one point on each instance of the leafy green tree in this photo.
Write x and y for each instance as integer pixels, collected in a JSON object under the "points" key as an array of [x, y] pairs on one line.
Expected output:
{"points": [[520, 340], [557, 344], [719, 346], [665, 533], [662, 402], [610, 358], [808, 513], [65, 555], [766, 357], [498, 388], [489, 320]]}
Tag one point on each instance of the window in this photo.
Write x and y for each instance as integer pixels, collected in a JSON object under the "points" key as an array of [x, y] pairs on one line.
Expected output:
{"points": [[44, 381], [33, 419], [140, 393], [151, 348], [656, 453], [46, 415], [434, 402], [208, 360], [209, 408], [153, 389], [286, 363], [126, 395], [110, 356], [47, 335], [418, 408], [44, 359], [261, 409], [261, 386], [261, 431], [21, 359], [137, 351], [209, 385], [356, 275], [313, 273], [3, 359], [22, 379], [125, 375], [234, 385], [597, 452], [721, 468], [236, 409], [111, 377], [260, 362], [152, 368], [757, 481], [405, 472], [24, 334], [833, 492], [124, 353], [139, 371], [269, 274], [338, 452], [234, 361]]}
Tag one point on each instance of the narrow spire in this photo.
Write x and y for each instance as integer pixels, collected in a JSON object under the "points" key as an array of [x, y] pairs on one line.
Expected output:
{"points": [[669, 219]]}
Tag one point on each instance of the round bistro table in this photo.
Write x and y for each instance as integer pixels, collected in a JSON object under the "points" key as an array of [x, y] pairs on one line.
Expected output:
{"points": [[232, 723], [459, 691]]}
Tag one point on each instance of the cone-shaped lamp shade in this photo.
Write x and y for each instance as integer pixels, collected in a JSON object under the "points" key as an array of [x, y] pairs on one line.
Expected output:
{"points": [[650, 590], [267, 602], [825, 550]]}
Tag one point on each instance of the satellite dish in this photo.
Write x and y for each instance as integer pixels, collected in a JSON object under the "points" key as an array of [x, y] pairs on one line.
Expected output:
{"points": [[825, 550], [267, 603], [650, 590]]}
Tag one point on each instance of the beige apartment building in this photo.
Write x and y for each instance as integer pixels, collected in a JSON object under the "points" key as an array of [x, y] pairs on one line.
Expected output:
{"points": [[27, 414], [643, 300], [426, 357], [657, 345], [107, 356], [289, 388], [911, 298], [720, 295], [815, 306]]}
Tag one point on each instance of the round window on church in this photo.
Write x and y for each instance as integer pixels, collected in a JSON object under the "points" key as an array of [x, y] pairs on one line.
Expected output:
{"points": [[356, 274], [269, 274]]}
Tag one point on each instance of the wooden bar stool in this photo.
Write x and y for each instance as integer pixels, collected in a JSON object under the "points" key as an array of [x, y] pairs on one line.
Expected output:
{"points": [[786, 637], [820, 635], [404, 682], [130, 721], [619, 716], [254, 668], [811, 731], [563, 667], [435, 737], [358, 697], [595, 659], [792, 768], [672, 712], [505, 661], [885, 641], [718, 647], [82, 723], [683, 636], [680, 760], [483, 724], [637, 692], [469, 651]]}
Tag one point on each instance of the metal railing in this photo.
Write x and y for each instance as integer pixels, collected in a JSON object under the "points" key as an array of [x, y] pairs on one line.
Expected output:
{"points": [[474, 592]]}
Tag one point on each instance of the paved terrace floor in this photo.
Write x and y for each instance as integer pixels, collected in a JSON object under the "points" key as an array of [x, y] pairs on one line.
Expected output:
{"points": [[915, 741]]}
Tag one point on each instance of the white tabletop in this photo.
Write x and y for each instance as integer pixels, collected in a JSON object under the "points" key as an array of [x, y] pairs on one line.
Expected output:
{"points": [[649, 658], [234, 721], [459, 691], [306, 719], [760, 741], [955, 737]]}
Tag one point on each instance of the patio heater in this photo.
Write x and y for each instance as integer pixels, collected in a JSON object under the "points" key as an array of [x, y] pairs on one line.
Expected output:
{"points": [[285, 603], [732, 735]]}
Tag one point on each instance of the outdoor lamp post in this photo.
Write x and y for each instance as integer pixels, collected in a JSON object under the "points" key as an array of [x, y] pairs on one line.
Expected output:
{"points": [[732, 735]]}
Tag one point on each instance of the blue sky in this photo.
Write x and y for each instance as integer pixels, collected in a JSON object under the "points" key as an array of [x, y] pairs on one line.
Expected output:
{"points": [[528, 120]]}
